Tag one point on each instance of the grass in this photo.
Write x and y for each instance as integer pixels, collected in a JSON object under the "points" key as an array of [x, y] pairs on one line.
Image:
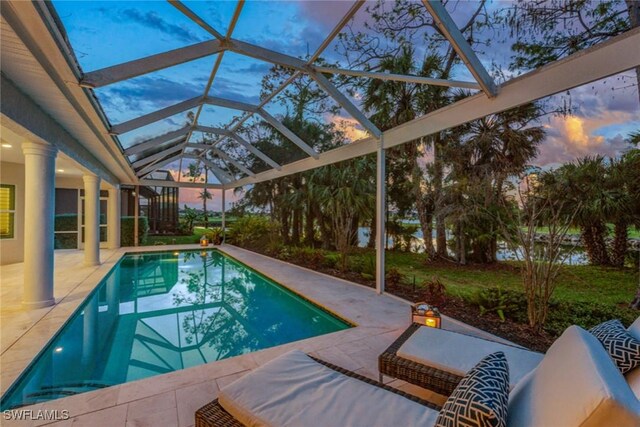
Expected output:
{"points": [[634, 233], [575, 283], [177, 240]]}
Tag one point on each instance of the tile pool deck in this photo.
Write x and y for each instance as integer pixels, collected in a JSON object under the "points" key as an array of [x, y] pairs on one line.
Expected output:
{"points": [[172, 399]]}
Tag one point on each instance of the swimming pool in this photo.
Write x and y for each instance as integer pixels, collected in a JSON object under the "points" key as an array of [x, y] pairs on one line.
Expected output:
{"points": [[159, 312]]}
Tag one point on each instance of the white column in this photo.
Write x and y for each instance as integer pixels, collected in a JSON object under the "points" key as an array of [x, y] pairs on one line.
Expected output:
{"points": [[224, 224], [113, 217], [39, 209], [380, 217], [136, 216], [91, 219]]}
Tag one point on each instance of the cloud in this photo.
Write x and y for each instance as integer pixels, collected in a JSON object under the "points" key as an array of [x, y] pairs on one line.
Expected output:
{"points": [[145, 94], [573, 137], [152, 20], [351, 128]]}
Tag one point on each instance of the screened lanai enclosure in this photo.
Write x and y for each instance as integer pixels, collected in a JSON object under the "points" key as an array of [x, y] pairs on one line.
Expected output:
{"points": [[196, 89]]}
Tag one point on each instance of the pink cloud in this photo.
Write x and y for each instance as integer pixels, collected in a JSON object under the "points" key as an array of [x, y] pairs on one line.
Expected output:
{"points": [[573, 137]]}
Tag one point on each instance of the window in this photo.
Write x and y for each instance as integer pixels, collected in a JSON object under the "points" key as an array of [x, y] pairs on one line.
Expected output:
{"points": [[7, 210]]}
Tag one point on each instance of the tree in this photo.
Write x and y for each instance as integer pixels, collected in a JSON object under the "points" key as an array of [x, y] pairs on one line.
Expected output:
{"points": [[205, 195], [346, 192], [519, 221], [397, 25], [549, 30], [392, 104], [189, 216], [481, 156]]}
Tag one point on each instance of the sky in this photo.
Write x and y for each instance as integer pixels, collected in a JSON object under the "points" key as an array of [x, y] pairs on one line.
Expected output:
{"points": [[107, 33]]}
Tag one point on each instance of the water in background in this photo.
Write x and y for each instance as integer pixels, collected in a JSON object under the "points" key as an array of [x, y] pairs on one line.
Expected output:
{"points": [[574, 255]]}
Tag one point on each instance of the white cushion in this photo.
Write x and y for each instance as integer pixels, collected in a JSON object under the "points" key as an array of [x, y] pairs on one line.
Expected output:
{"points": [[576, 384], [459, 353], [633, 379], [634, 329], [295, 390]]}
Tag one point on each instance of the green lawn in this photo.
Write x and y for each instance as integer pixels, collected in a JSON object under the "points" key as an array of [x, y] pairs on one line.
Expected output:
{"points": [[576, 283], [176, 240], [634, 233]]}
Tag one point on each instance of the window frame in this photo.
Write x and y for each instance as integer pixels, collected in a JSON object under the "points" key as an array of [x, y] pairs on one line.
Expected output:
{"points": [[11, 211]]}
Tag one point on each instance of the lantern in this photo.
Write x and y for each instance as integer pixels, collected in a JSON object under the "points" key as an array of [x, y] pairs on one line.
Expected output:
{"points": [[424, 314], [432, 318], [204, 241]]}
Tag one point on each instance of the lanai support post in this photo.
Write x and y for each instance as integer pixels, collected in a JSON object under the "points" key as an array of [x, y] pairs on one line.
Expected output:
{"points": [[136, 216], [224, 224], [380, 216]]}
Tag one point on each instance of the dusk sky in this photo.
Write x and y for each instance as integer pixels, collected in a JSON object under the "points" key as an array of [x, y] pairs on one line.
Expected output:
{"points": [[108, 33]]}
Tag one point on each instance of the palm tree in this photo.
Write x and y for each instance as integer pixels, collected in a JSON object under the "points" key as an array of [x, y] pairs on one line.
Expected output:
{"points": [[482, 155], [205, 195], [394, 103], [346, 191]]}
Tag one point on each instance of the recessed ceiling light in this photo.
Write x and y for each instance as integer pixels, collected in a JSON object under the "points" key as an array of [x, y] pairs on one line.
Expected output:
{"points": [[6, 145], [60, 170]]}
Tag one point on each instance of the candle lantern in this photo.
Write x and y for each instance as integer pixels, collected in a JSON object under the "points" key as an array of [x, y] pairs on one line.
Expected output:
{"points": [[425, 314], [204, 241]]}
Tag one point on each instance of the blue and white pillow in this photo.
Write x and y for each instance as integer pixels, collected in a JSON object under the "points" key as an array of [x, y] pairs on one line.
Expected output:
{"points": [[623, 348], [481, 398]]}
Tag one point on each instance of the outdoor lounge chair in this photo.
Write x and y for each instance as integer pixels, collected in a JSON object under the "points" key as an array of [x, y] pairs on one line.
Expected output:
{"points": [[213, 414], [437, 359], [576, 384]]}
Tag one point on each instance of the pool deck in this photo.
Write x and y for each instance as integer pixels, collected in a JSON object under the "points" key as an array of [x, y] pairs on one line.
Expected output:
{"points": [[172, 399]]}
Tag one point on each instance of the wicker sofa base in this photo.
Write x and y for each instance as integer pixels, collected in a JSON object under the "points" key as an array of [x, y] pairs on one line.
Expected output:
{"points": [[392, 365], [214, 415]]}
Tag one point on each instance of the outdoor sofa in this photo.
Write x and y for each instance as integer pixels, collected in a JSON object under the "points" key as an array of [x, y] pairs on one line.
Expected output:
{"points": [[437, 359], [575, 384]]}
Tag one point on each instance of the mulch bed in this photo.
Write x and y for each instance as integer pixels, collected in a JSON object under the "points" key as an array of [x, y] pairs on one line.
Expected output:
{"points": [[457, 308]]}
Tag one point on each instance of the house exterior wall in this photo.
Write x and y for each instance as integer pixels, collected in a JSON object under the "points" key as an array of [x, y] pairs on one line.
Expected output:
{"points": [[12, 250]]}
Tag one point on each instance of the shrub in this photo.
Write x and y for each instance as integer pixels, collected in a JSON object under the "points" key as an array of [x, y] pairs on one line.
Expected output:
{"points": [[215, 235], [563, 314], [309, 257], [254, 232], [435, 292], [331, 260], [504, 303], [394, 277], [127, 227], [363, 264]]}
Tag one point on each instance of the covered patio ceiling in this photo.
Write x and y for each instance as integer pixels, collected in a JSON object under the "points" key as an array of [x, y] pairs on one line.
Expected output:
{"points": [[230, 168]]}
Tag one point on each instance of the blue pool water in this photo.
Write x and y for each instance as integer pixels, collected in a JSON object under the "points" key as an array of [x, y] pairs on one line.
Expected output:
{"points": [[159, 312]]}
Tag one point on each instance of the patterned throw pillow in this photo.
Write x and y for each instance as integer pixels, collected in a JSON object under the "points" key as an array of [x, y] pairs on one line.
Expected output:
{"points": [[623, 348], [481, 398]]}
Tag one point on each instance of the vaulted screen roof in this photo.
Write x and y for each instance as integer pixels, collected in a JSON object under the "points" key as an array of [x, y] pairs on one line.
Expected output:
{"points": [[203, 63]]}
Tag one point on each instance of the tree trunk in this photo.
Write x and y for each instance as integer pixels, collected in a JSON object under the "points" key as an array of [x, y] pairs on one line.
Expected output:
{"points": [[309, 230], [620, 241], [441, 232], [204, 207], [296, 226], [426, 225], [593, 237], [373, 230]]}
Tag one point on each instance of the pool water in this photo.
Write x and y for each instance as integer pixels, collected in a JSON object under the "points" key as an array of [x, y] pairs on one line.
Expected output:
{"points": [[160, 312]]}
